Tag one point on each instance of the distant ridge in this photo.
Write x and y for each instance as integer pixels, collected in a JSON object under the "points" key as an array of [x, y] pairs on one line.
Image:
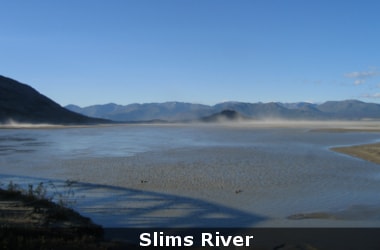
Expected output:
{"points": [[180, 111], [169, 111], [351, 109], [21, 103]]}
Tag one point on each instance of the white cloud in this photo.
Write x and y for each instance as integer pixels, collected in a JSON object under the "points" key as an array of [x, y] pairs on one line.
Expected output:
{"points": [[361, 75], [359, 81], [376, 95]]}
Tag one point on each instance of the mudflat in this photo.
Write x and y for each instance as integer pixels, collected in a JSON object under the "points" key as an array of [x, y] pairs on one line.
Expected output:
{"points": [[369, 152]]}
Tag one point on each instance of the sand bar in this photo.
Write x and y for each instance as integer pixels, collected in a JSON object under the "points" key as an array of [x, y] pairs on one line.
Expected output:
{"points": [[369, 152]]}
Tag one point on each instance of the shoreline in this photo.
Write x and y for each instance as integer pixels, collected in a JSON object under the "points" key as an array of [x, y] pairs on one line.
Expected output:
{"points": [[313, 125], [29, 220], [27, 210]]}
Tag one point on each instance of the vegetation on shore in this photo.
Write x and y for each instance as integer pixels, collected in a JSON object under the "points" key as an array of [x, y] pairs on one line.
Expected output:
{"points": [[29, 219]]}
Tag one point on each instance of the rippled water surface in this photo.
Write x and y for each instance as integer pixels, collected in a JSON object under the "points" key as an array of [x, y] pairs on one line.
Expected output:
{"points": [[266, 172]]}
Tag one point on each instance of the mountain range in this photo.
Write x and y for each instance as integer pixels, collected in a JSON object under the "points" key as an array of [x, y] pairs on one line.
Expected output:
{"points": [[180, 111], [21, 103]]}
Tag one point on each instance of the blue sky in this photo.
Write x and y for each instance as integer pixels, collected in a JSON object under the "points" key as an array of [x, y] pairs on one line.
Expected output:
{"points": [[88, 52]]}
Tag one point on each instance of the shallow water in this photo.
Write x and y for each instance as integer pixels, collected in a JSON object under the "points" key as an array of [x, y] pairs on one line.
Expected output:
{"points": [[267, 173]]}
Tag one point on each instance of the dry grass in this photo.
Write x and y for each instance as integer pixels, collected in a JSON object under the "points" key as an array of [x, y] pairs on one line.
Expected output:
{"points": [[29, 222]]}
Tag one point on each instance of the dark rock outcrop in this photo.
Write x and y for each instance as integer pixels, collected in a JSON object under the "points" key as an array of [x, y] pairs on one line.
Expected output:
{"points": [[224, 116]]}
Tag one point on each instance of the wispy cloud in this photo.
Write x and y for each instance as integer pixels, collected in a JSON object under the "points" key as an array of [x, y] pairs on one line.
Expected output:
{"points": [[376, 95], [361, 76], [359, 81]]}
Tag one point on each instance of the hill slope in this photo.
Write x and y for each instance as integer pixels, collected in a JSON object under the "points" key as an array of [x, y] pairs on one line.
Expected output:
{"points": [[21, 103], [224, 116], [171, 111], [351, 109]]}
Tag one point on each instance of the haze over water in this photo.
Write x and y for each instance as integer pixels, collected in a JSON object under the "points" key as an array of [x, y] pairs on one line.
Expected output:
{"points": [[232, 171]]}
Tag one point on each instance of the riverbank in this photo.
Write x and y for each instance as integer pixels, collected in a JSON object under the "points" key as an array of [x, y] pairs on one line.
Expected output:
{"points": [[30, 222]]}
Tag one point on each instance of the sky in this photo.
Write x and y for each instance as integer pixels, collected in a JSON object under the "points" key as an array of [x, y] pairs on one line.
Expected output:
{"points": [[88, 52]]}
